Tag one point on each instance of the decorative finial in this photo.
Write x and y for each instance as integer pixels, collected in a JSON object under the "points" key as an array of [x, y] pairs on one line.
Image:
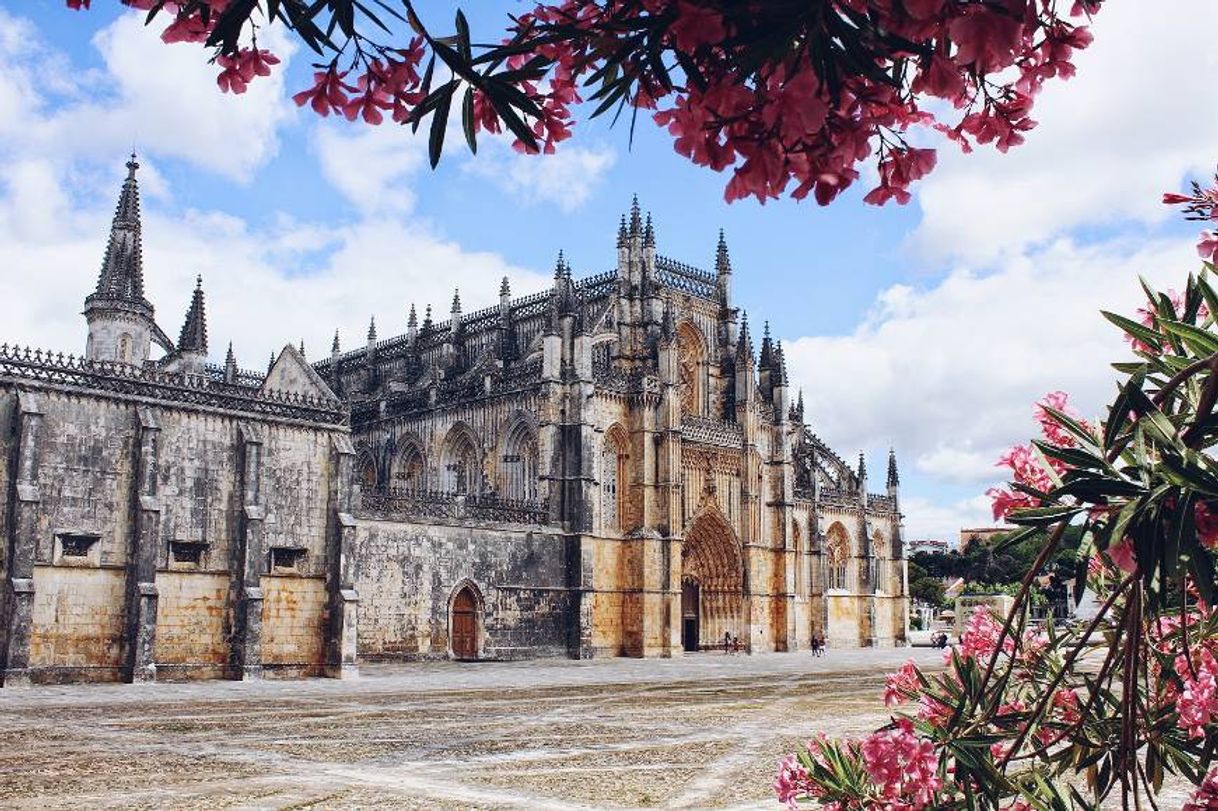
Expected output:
{"points": [[230, 359], [334, 348], [412, 320], [372, 328], [456, 308], [636, 223], [505, 289], [893, 478], [621, 232], [862, 467], [132, 165], [649, 233], [723, 263], [302, 349]]}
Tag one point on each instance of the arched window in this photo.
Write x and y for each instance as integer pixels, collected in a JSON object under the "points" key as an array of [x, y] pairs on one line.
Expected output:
{"points": [[366, 473], [797, 543], [518, 476], [879, 563], [691, 369], [124, 348], [409, 470], [460, 467], [613, 475], [837, 558]]}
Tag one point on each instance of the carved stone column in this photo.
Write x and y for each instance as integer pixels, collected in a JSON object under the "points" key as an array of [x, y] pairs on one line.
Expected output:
{"points": [[140, 637], [25, 501], [341, 631], [246, 591]]}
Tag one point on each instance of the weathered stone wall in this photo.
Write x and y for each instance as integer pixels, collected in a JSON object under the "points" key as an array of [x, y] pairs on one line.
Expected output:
{"points": [[190, 629], [110, 473], [408, 574]]}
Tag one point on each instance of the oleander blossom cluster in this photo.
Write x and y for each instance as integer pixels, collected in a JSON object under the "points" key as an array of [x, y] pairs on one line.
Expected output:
{"points": [[1200, 205], [783, 119]]}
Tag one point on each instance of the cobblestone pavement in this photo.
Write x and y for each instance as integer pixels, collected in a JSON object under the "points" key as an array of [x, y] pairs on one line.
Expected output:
{"points": [[704, 731]]}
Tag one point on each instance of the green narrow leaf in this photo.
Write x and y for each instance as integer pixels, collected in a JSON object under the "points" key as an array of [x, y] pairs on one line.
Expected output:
{"points": [[1143, 333], [467, 120], [439, 123], [1199, 340]]}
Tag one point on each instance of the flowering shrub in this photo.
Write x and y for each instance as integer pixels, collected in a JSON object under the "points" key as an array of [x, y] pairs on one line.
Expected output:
{"points": [[790, 96], [1066, 718]]}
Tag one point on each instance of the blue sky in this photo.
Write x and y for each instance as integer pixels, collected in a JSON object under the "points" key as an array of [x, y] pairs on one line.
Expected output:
{"points": [[930, 327]]}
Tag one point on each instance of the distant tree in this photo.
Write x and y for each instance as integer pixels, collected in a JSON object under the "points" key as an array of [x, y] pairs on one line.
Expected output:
{"points": [[928, 590], [791, 95]]}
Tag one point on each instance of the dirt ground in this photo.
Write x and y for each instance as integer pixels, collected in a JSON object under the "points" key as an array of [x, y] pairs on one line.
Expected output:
{"points": [[704, 732]]}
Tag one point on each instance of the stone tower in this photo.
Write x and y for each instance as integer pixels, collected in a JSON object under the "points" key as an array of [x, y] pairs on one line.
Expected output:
{"points": [[121, 325]]}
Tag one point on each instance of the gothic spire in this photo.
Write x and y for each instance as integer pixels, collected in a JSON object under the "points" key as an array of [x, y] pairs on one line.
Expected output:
{"points": [[505, 289], [799, 405], [334, 347], [456, 308], [767, 349], [649, 233], [862, 468], [636, 222], [372, 328], [621, 232], [412, 320], [744, 344], [427, 317], [122, 272], [780, 360], [302, 350], [194, 331], [893, 478], [560, 266], [723, 262], [229, 358]]}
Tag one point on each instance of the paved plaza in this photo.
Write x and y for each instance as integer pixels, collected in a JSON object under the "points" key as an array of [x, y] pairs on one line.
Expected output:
{"points": [[704, 731]]}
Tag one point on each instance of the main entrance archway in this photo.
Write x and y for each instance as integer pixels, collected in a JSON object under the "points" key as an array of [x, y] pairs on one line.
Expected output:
{"points": [[712, 562], [463, 623]]}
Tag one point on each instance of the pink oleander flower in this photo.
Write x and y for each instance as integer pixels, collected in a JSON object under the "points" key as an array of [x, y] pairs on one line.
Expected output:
{"points": [[1122, 555], [792, 782], [903, 766], [901, 684], [1205, 798], [1198, 701], [980, 637]]}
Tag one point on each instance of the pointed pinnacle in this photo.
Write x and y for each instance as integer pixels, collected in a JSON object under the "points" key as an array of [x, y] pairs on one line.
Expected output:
{"points": [[649, 233], [456, 308], [559, 265], [372, 328], [230, 359], [505, 289], [636, 224], [621, 232], [302, 349], [334, 347], [193, 337], [412, 320], [132, 165], [723, 262]]}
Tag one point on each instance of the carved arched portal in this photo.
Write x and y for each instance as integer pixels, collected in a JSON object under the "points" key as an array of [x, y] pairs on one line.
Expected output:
{"points": [[711, 559]]}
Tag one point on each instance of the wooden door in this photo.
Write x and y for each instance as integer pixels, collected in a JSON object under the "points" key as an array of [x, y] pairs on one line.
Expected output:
{"points": [[690, 615], [465, 625]]}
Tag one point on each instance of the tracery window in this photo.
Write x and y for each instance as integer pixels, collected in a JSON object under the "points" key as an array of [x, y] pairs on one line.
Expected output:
{"points": [[408, 470], [460, 468], [519, 471], [691, 369], [837, 558], [613, 472]]}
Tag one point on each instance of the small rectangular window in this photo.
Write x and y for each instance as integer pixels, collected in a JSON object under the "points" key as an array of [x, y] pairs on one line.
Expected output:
{"points": [[76, 546], [286, 558], [187, 553]]}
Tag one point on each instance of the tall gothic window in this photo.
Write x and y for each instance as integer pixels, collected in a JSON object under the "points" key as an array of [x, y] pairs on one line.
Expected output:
{"points": [[613, 473], [691, 369], [879, 572], [461, 472], [797, 543], [519, 471], [408, 468], [837, 558]]}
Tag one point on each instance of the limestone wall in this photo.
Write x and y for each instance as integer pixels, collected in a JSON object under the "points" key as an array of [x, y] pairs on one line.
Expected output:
{"points": [[85, 521], [409, 572]]}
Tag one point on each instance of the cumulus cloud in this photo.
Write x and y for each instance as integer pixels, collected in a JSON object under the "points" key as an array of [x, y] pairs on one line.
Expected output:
{"points": [[266, 284], [566, 178], [948, 374], [1132, 124]]}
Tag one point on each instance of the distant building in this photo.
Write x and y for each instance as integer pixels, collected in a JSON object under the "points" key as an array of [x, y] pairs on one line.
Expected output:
{"points": [[930, 545], [970, 536]]}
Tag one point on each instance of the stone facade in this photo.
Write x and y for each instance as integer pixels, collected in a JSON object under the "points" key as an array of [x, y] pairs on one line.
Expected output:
{"points": [[604, 468], [609, 469]]}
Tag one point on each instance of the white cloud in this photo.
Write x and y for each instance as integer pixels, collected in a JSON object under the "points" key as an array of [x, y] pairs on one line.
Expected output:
{"points": [[371, 166], [1135, 120], [925, 518], [949, 374], [566, 178], [161, 99]]}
